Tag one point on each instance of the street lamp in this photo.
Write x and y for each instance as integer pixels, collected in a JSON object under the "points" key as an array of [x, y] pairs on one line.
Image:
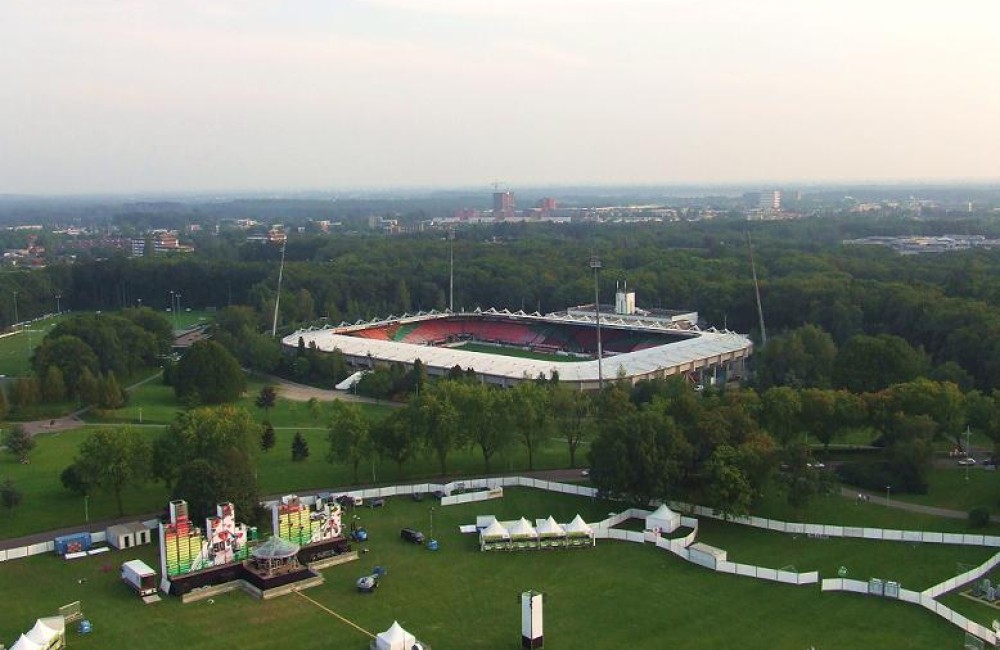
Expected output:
{"points": [[887, 489], [58, 308], [968, 451], [15, 309], [432, 522]]}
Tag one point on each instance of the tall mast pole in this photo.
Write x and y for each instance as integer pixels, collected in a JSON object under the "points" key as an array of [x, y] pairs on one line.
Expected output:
{"points": [[277, 297], [595, 263], [756, 289], [451, 271]]}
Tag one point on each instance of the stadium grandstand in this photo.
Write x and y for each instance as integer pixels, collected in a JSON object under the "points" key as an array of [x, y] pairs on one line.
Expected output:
{"points": [[504, 347]]}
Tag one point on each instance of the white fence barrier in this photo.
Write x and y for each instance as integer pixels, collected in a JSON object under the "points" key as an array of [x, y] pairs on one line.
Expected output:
{"points": [[964, 578]]}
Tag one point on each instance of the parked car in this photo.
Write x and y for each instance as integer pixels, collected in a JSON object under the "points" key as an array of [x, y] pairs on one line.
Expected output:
{"points": [[411, 535], [967, 461]]}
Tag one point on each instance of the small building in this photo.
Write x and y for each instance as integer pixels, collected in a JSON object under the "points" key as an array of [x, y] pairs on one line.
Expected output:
{"points": [[127, 535]]}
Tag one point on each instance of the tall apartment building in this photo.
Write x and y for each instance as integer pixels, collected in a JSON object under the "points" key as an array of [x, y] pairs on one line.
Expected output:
{"points": [[503, 204]]}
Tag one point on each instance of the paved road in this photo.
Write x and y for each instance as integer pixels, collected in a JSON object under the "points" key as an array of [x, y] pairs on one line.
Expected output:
{"points": [[880, 499]]}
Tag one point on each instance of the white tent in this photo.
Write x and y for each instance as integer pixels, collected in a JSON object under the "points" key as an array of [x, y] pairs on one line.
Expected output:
{"points": [[494, 531], [25, 643], [664, 519], [549, 528], [522, 529], [578, 527], [49, 632], [395, 638]]}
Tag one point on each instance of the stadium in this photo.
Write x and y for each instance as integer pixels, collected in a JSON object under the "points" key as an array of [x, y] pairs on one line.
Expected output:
{"points": [[583, 345]]}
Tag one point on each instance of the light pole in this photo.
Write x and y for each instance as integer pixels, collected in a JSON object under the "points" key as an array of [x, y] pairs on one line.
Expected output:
{"points": [[58, 308], [432, 522], [15, 309], [887, 489], [86, 507], [968, 451], [175, 298], [595, 263]]}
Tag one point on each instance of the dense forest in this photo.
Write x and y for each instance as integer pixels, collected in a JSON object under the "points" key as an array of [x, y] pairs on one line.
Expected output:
{"points": [[944, 305]]}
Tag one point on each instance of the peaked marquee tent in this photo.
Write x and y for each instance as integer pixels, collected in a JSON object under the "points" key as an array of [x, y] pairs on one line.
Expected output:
{"points": [[49, 632], [395, 638], [664, 519]]}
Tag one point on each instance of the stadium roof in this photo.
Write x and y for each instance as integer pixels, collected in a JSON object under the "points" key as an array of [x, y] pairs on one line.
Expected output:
{"points": [[698, 350]]}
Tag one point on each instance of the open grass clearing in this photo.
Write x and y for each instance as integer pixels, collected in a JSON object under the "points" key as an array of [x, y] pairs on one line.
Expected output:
{"points": [[461, 598]]}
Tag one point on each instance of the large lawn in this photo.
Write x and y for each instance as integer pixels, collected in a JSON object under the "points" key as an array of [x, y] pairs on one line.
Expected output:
{"points": [[16, 348], [613, 596]]}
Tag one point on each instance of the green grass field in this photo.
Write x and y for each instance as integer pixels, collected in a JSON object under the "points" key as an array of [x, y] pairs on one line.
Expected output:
{"points": [[16, 348], [507, 351], [615, 595]]}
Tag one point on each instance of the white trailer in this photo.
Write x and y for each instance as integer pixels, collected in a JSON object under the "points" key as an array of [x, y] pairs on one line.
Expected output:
{"points": [[140, 577]]}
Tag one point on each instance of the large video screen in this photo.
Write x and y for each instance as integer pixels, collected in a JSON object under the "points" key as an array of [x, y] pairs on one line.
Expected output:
{"points": [[185, 549], [304, 524]]}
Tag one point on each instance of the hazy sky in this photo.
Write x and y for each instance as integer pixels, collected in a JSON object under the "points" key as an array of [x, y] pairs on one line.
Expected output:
{"points": [[164, 95]]}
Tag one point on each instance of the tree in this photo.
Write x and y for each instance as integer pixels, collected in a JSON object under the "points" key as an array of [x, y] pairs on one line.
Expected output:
{"points": [[395, 438], [27, 392], [266, 399], [439, 425], [53, 385], [730, 491], [112, 395], [112, 458], [268, 438], [486, 412], [350, 442], [300, 448], [222, 436], [531, 404], [73, 481], [71, 355], [801, 480], [10, 496], [640, 456], [572, 409], [18, 442], [869, 363], [206, 432], [88, 387], [782, 410], [209, 374]]}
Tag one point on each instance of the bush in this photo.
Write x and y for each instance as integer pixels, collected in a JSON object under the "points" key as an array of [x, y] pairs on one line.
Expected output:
{"points": [[979, 517]]}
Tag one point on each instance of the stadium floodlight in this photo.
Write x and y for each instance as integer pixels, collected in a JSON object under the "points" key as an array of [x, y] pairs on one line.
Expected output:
{"points": [[595, 263]]}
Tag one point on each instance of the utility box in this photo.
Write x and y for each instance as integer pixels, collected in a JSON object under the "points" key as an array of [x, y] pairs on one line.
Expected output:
{"points": [[531, 620], [140, 577]]}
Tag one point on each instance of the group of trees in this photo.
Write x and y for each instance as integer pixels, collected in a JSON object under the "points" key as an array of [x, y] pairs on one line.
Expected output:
{"points": [[458, 413], [83, 356], [204, 457]]}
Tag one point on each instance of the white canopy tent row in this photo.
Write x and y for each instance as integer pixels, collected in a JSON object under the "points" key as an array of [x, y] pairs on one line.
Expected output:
{"points": [[520, 535], [48, 633]]}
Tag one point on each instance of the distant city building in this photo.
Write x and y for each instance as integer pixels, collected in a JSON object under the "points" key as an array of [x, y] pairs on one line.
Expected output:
{"points": [[548, 205], [503, 204], [138, 247], [770, 200]]}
